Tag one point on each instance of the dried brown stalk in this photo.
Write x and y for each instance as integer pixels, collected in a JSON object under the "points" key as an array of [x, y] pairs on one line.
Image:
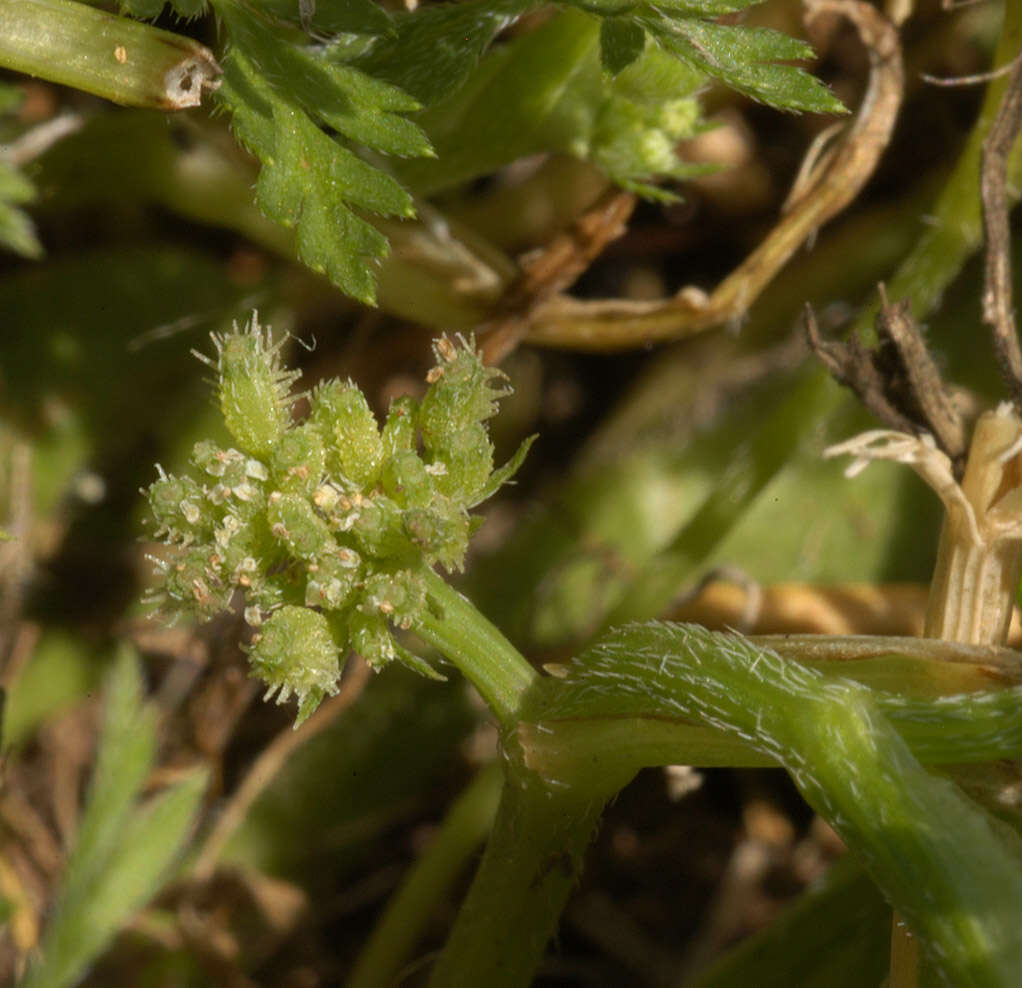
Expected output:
{"points": [[897, 380], [998, 312], [553, 269], [614, 324]]}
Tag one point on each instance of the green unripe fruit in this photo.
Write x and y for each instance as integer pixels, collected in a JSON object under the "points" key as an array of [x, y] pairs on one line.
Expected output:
{"points": [[177, 505], [399, 429], [460, 393], [467, 460], [299, 460], [440, 532], [406, 480], [398, 597], [333, 579], [371, 638], [295, 654], [294, 522], [196, 586], [354, 449], [254, 391], [378, 529]]}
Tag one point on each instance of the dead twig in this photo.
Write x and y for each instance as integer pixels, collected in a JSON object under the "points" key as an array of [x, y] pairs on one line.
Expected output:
{"points": [[897, 380], [553, 269], [614, 324], [975, 79], [998, 311]]}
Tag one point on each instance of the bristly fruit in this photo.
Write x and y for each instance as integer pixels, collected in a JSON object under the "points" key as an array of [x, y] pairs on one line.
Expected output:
{"points": [[325, 527]]}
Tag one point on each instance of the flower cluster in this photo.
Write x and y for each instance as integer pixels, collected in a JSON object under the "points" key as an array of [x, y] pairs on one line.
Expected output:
{"points": [[326, 526]]}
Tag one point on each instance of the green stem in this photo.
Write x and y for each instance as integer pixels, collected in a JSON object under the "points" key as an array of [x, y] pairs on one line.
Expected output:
{"points": [[113, 57], [937, 857], [429, 881], [626, 731], [531, 864], [485, 657]]}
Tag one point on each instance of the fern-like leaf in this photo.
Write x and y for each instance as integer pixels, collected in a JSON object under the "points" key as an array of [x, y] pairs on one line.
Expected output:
{"points": [[148, 10], [745, 59], [285, 97], [433, 51]]}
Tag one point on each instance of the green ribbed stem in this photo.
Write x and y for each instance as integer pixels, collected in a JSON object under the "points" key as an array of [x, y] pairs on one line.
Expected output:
{"points": [[119, 59]]}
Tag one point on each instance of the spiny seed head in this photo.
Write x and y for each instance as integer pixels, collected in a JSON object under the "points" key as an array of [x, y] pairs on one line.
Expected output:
{"points": [[350, 432], [254, 391], [321, 531], [294, 653]]}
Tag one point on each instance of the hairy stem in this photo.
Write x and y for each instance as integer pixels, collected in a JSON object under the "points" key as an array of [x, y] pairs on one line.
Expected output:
{"points": [[483, 655], [530, 866], [850, 763]]}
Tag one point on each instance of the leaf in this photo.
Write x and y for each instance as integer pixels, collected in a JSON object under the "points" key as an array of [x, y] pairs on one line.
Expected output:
{"points": [[434, 50], [621, 43], [149, 10], [743, 58], [120, 854], [502, 475], [357, 106], [126, 750], [84, 923], [282, 95]]}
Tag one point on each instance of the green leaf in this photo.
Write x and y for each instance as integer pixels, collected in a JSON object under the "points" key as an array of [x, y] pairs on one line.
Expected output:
{"points": [[282, 95], [743, 58], [436, 48], [621, 43], [502, 475], [120, 855], [126, 750], [361, 108]]}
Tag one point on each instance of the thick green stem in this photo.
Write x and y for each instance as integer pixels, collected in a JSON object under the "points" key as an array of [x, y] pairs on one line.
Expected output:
{"points": [[937, 857], [530, 866], [113, 57], [428, 882], [483, 655]]}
